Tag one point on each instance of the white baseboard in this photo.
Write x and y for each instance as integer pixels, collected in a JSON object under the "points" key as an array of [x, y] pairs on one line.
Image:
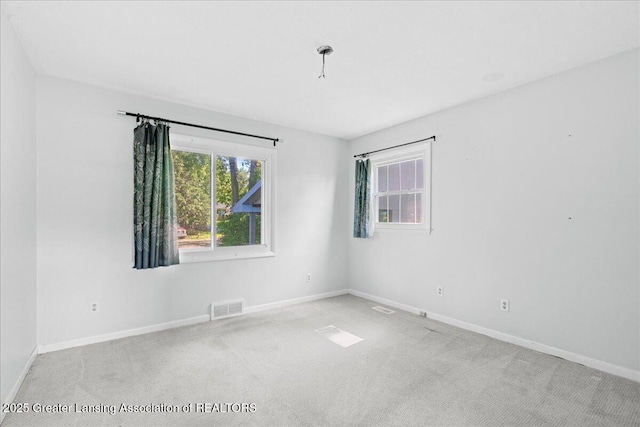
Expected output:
{"points": [[522, 342], [278, 304], [385, 301], [543, 348], [177, 323], [122, 334], [18, 383]]}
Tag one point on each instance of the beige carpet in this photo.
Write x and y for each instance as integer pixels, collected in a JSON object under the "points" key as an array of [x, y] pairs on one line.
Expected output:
{"points": [[275, 369]]}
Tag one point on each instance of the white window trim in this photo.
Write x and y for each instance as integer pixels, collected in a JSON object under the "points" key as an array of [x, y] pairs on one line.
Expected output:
{"points": [[222, 148], [422, 150]]}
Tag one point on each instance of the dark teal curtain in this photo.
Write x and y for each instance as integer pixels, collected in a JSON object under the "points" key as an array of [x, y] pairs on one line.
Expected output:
{"points": [[154, 205], [361, 203]]}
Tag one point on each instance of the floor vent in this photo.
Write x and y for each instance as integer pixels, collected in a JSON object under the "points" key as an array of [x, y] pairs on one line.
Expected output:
{"points": [[382, 309], [226, 309]]}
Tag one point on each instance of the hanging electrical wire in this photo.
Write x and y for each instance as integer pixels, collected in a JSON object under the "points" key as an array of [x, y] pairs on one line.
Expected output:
{"points": [[324, 50]]}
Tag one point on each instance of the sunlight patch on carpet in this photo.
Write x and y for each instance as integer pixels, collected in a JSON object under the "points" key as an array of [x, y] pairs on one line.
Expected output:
{"points": [[338, 336]]}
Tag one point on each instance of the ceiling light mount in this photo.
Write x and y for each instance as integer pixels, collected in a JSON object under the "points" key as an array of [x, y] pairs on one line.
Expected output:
{"points": [[324, 50]]}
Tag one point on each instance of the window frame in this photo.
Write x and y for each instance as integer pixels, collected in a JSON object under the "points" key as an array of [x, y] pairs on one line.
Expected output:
{"points": [[267, 155], [398, 155]]}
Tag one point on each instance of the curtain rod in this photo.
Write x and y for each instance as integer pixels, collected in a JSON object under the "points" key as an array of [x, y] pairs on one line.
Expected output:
{"points": [[143, 116], [395, 146]]}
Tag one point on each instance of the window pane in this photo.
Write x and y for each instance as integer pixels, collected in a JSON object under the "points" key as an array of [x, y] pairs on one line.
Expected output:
{"points": [[193, 198], [419, 174], [419, 208], [408, 175], [408, 208], [394, 208], [382, 178], [383, 213], [239, 201], [394, 177]]}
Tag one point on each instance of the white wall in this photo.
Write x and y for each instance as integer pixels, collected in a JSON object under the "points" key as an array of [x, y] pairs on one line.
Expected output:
{"points": [[18, 211], [85, 210], [535, 199]]}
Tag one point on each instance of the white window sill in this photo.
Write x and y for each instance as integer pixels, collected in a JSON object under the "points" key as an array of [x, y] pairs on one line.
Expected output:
{"points": [[412, 227], [208, 256]]}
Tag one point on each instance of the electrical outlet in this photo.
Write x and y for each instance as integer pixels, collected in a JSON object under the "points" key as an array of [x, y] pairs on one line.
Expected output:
{"points": [[440, 291], [504, 304], [308, 277], [95, 307]]}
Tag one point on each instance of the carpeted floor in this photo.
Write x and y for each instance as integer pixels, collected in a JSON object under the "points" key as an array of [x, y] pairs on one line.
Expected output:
{"points": [[274, 369]]}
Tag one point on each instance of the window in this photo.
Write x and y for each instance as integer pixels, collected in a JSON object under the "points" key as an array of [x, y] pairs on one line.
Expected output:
{"points": [[401, 188], [224, 198]]}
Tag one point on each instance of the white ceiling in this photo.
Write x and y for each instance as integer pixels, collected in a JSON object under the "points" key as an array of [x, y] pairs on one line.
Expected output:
{"points": [[393, 61]]}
